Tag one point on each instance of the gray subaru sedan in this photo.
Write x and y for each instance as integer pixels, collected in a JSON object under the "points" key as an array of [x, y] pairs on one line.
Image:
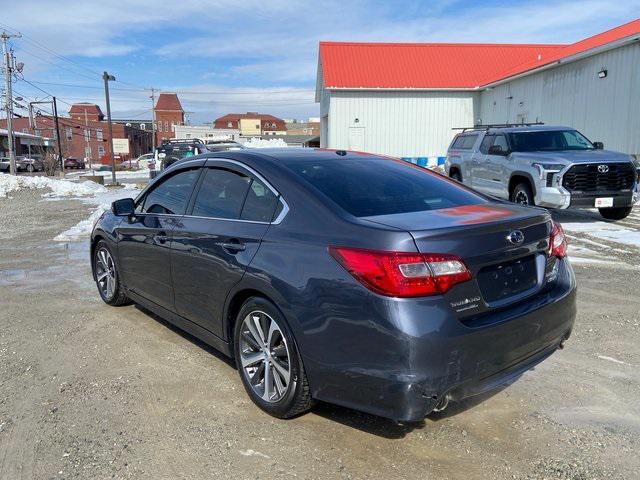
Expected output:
{"points": [[343, 277]]}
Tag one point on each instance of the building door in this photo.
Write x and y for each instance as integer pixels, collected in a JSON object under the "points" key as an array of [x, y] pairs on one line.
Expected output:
{"points": [[356, 139]]}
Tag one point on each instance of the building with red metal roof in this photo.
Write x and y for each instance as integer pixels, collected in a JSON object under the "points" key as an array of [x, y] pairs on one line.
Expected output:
{"points": [[403, 99]]}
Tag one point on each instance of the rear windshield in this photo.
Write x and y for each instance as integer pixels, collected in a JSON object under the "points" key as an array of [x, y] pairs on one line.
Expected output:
{"points": [[374, 186], [549, 141]]}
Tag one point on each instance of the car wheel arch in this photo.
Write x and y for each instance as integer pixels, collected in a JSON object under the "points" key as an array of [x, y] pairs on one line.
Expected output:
{"points": [[237, 298], [519, 177]]}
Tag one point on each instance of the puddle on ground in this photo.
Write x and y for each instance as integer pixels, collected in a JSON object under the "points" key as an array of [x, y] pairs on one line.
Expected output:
{"points": [[68, 262]]}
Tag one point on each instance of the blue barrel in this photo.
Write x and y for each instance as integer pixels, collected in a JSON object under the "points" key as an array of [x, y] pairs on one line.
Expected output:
{"points": [[423, 161], [441, 160]]}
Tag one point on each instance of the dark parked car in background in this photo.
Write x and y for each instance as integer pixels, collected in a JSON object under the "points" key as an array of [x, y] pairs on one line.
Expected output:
{"points": [[72, 162], [343, 277], [170, 151]]}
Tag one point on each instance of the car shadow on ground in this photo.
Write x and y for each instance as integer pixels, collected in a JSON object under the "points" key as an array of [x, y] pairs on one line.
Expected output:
{"points": [[187, 336], [372, 424]]}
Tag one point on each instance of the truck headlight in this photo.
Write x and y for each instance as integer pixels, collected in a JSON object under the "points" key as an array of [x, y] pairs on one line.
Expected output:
{"points": [[545, 168]]}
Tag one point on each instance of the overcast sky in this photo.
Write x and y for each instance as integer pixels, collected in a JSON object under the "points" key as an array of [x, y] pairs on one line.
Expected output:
{"points": [[230, 56]]}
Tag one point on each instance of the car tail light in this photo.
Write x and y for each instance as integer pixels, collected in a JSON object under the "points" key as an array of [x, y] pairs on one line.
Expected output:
{"points": [[557, 241], [400, 274]]}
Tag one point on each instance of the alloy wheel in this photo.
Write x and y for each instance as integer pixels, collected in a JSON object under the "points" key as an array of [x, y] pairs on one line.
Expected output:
{"points": [[522, 198], [264, 355], [105, 273]]}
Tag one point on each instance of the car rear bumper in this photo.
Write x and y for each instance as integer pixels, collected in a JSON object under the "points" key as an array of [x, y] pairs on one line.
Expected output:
{"points": [[429, 360]]}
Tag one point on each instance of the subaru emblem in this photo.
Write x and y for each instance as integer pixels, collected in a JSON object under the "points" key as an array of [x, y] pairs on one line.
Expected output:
{"points": [[516, 237], [603, 168]]}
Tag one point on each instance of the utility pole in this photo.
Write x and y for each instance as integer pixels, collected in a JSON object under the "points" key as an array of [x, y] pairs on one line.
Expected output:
{"points": [[87, 143], [106, 77], [153, 118], [58, 138], [8, 99]]}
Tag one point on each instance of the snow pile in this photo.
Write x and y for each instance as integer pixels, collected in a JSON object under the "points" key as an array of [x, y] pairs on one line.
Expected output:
{"points": [[59, 188], [83, 228], [263, 143], [102, 202]]}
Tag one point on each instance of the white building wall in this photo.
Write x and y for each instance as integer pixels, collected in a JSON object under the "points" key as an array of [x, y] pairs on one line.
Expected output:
{"points": [[400, 124], [604, 109]]}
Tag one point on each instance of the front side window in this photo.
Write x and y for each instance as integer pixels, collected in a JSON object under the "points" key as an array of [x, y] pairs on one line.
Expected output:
{"points": [[375, 186], [552, 140], [487, 141], [172, 195], [501, 140]]}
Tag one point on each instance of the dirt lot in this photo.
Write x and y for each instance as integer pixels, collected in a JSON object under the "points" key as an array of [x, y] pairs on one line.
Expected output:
{"points": [[90, 391]]}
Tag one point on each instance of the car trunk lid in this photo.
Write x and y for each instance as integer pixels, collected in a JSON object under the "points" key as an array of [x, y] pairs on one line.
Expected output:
{"points": [[504, 246]]}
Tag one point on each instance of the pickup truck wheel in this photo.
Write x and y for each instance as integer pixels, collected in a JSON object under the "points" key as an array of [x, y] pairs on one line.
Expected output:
{"points": [[522, 194], [615, 213], [455, 175]]}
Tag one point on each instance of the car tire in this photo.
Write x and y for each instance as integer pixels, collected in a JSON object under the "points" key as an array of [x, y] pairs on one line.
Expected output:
{"points": [[30, 168], [109, 286], [267, 358], [523, 194], [455, 175], [617, 213]]}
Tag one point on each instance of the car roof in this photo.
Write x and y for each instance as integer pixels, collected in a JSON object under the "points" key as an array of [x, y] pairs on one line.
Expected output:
{"points": [[518, 129]]}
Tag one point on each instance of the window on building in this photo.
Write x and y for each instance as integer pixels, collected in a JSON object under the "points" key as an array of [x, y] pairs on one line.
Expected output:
{"points": [[25, 130], [100, 150], [273, 125], [87, 135], [230, 124], [159, 126], [143, 126], [166, 126], [69, 133], [99, 134], [87, 152], [38, 132]]}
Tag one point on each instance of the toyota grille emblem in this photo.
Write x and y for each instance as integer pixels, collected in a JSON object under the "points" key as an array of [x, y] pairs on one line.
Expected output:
{"points": [[516, 237], [603, 168]]}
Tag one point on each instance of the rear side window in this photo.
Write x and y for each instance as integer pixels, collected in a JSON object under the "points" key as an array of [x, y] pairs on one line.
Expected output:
{"points": [[260, 204], [465, 142], [374, 186], [233, 195], [172, 195], [221, 194]]}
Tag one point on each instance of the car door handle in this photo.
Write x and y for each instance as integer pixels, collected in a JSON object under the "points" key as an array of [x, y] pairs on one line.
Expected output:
{"points": [[233, 247]]}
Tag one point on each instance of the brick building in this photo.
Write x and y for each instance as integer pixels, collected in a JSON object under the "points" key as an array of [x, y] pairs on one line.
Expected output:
{"points": [[252, 123], [85, 133], [169, 113]]}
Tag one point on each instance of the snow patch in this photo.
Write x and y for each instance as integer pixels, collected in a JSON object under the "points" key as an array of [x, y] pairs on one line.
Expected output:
{"points": [[250, 453], [264, 143], [611, 359], [82, 229], [58, 187]]}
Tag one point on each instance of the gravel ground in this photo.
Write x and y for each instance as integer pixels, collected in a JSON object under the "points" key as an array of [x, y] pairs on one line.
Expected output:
{"points": [[91, 391]]}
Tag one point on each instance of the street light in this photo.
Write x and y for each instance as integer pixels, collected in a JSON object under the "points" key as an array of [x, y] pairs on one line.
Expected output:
{"points": [[107, 78]]}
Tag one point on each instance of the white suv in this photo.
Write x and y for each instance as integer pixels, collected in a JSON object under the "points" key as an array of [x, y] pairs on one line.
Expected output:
{"points": [[553, 167]]}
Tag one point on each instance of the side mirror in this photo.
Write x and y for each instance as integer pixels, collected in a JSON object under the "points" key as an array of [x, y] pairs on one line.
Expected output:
{"points": [[497, 150], [598, 145], [123, 207]]}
